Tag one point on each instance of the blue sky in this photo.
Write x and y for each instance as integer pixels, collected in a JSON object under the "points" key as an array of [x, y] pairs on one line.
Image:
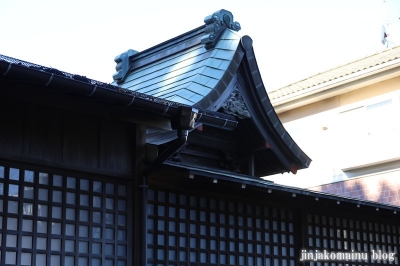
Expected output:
{"points": [[292, 39]]}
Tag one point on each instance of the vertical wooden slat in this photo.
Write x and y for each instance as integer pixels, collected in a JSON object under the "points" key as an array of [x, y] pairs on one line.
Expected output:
{"points": [[81, 140], [11, 126], [43, 133], [117, 142], [139, 154]]}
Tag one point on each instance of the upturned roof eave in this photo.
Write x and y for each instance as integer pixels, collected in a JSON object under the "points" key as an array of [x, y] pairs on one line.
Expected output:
{"points": [[264, 115]]}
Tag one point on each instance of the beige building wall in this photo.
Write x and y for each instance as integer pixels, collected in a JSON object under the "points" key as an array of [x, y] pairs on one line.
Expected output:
{"points": [[347, 136]]}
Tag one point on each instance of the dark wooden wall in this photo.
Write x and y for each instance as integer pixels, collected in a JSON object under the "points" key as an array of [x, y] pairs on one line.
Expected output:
{"points": [[64, 138], [306, 224]]}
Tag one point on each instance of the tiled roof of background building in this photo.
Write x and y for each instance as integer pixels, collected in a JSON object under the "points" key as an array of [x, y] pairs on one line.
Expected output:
{"points": [[306, 85]]}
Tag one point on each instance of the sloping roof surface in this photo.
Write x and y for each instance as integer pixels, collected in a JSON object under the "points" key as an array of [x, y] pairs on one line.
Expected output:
{"points": [[187, 76], [336, 73]]}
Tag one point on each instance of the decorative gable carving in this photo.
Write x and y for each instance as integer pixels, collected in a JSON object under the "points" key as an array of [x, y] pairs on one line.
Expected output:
{"points": [[235, 105]]}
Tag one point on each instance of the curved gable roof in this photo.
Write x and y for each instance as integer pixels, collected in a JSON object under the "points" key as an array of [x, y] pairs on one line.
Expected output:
{"points": [[189, 71]]}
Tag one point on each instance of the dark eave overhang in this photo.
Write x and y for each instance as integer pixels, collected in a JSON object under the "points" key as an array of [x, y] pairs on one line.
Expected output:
{"points": [[56, 81], [264, 115], [249, 182]]}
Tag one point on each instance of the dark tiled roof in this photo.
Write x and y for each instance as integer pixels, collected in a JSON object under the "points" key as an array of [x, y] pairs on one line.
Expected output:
{"points": [[187, 75]]}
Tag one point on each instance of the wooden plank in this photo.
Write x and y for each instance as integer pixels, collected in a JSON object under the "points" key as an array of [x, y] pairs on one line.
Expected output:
{"points": [[199, 153], [43, 133], [11, 126], [212, 142], [257, 146], [81, 140], [117, 146]]}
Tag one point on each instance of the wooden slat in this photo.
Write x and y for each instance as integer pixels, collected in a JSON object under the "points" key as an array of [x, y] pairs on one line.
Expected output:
{"points": [[81, 140], [43, 133], [117, 146], [212, 142], [63, 137], [11, 126]]}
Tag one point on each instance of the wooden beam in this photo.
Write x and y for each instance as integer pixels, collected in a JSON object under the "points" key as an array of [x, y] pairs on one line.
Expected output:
{"points": [[293, 169], [202, 154], [258, 146], [212, 142]]}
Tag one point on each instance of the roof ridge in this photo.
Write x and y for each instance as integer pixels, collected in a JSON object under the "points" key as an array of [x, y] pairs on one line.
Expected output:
{"points": [[171, 42]]}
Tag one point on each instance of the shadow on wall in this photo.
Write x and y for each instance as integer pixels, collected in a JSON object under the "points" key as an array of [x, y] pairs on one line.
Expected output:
{"points": [[383, 188]]}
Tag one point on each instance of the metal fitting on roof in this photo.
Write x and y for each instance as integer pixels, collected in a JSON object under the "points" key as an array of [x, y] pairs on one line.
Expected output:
{"points": [[123, 62], [216, 25]]}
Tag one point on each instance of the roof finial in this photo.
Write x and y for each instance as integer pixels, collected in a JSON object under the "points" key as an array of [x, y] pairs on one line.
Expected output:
{"points": [[215, 26], [123, 63]]}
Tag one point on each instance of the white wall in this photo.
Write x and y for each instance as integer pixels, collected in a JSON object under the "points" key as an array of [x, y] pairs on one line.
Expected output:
{"points": [[346, 136]]}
